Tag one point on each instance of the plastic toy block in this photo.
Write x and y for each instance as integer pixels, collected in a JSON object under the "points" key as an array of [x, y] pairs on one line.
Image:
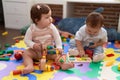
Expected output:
{"points": [[68, 40], [110, 63], [61, 61], [10, 51], [4, 58], [110, 55], [119, 66], [18, 55], [83, 58], [17, 41], [51, 51], [80, 59], [2, 52], [4, 33], [49, 68], [16, 72], [89, 52], [7, 45], [0, 46], [18, 37], [56, 67], [49, 47], [64, 40], [62, 37]]}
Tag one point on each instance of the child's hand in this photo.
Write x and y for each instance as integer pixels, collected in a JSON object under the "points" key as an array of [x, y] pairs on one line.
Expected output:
{"points": [[82, 53], [37, 47], [93, 46]]}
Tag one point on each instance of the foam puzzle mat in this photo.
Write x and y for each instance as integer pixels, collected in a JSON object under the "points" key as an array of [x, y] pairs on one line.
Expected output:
{"points": [[104, 70]]}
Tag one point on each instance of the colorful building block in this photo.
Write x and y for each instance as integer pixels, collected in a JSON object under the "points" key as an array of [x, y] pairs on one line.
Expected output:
{"points": [[16, 72], [4, 58], [119, 66]]}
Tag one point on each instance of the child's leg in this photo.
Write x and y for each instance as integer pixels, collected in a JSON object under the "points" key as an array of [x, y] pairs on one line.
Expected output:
{"points": [[72, 43], [28, 57], [63, 62], [98, 54]]}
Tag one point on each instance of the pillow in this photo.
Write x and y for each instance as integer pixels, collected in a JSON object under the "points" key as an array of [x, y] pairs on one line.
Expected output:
{"points": [[71, 25]]}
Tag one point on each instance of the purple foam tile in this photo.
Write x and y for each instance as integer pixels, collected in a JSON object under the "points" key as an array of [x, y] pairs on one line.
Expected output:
{"points": [[84, 66], [9, 67], [62, 75], [86, 78]]}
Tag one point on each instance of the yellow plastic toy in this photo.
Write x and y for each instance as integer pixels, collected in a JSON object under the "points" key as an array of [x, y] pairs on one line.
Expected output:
{"points": [[119, 66], [5, 33]]}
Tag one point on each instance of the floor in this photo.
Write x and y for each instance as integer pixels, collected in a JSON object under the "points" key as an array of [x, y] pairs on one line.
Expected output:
{"points": [[8, 38], [105, 70]]}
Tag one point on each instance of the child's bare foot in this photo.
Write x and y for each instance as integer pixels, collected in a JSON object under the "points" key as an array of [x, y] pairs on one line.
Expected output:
{"points": [[66, 66], [27, 70]]}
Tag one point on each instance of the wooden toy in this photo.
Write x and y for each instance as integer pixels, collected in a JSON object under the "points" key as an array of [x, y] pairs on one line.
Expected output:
{"points": [[18, 37], [80, 59], [43, 60], [49, 68], [17, 72], [43, 65]]}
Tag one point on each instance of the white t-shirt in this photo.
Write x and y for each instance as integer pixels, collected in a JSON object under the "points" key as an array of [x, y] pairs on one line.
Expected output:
{"points": [[29, 41], [85, 38]]}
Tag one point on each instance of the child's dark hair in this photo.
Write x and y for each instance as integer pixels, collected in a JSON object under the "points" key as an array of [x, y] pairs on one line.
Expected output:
{"points": [[37, 10], [95, 19]]}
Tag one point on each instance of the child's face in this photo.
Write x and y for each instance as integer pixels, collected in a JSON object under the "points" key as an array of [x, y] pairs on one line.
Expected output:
{"points": [[45, 20], [92, 31]]}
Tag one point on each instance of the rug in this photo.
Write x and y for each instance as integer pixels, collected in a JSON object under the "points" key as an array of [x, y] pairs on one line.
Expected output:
{"points": [[104, 70]]}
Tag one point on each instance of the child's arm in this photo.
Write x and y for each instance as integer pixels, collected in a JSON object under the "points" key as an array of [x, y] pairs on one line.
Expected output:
{"points": [[100, 43], [80, 48], [57, 38], [96, 44], [28, 38]]}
